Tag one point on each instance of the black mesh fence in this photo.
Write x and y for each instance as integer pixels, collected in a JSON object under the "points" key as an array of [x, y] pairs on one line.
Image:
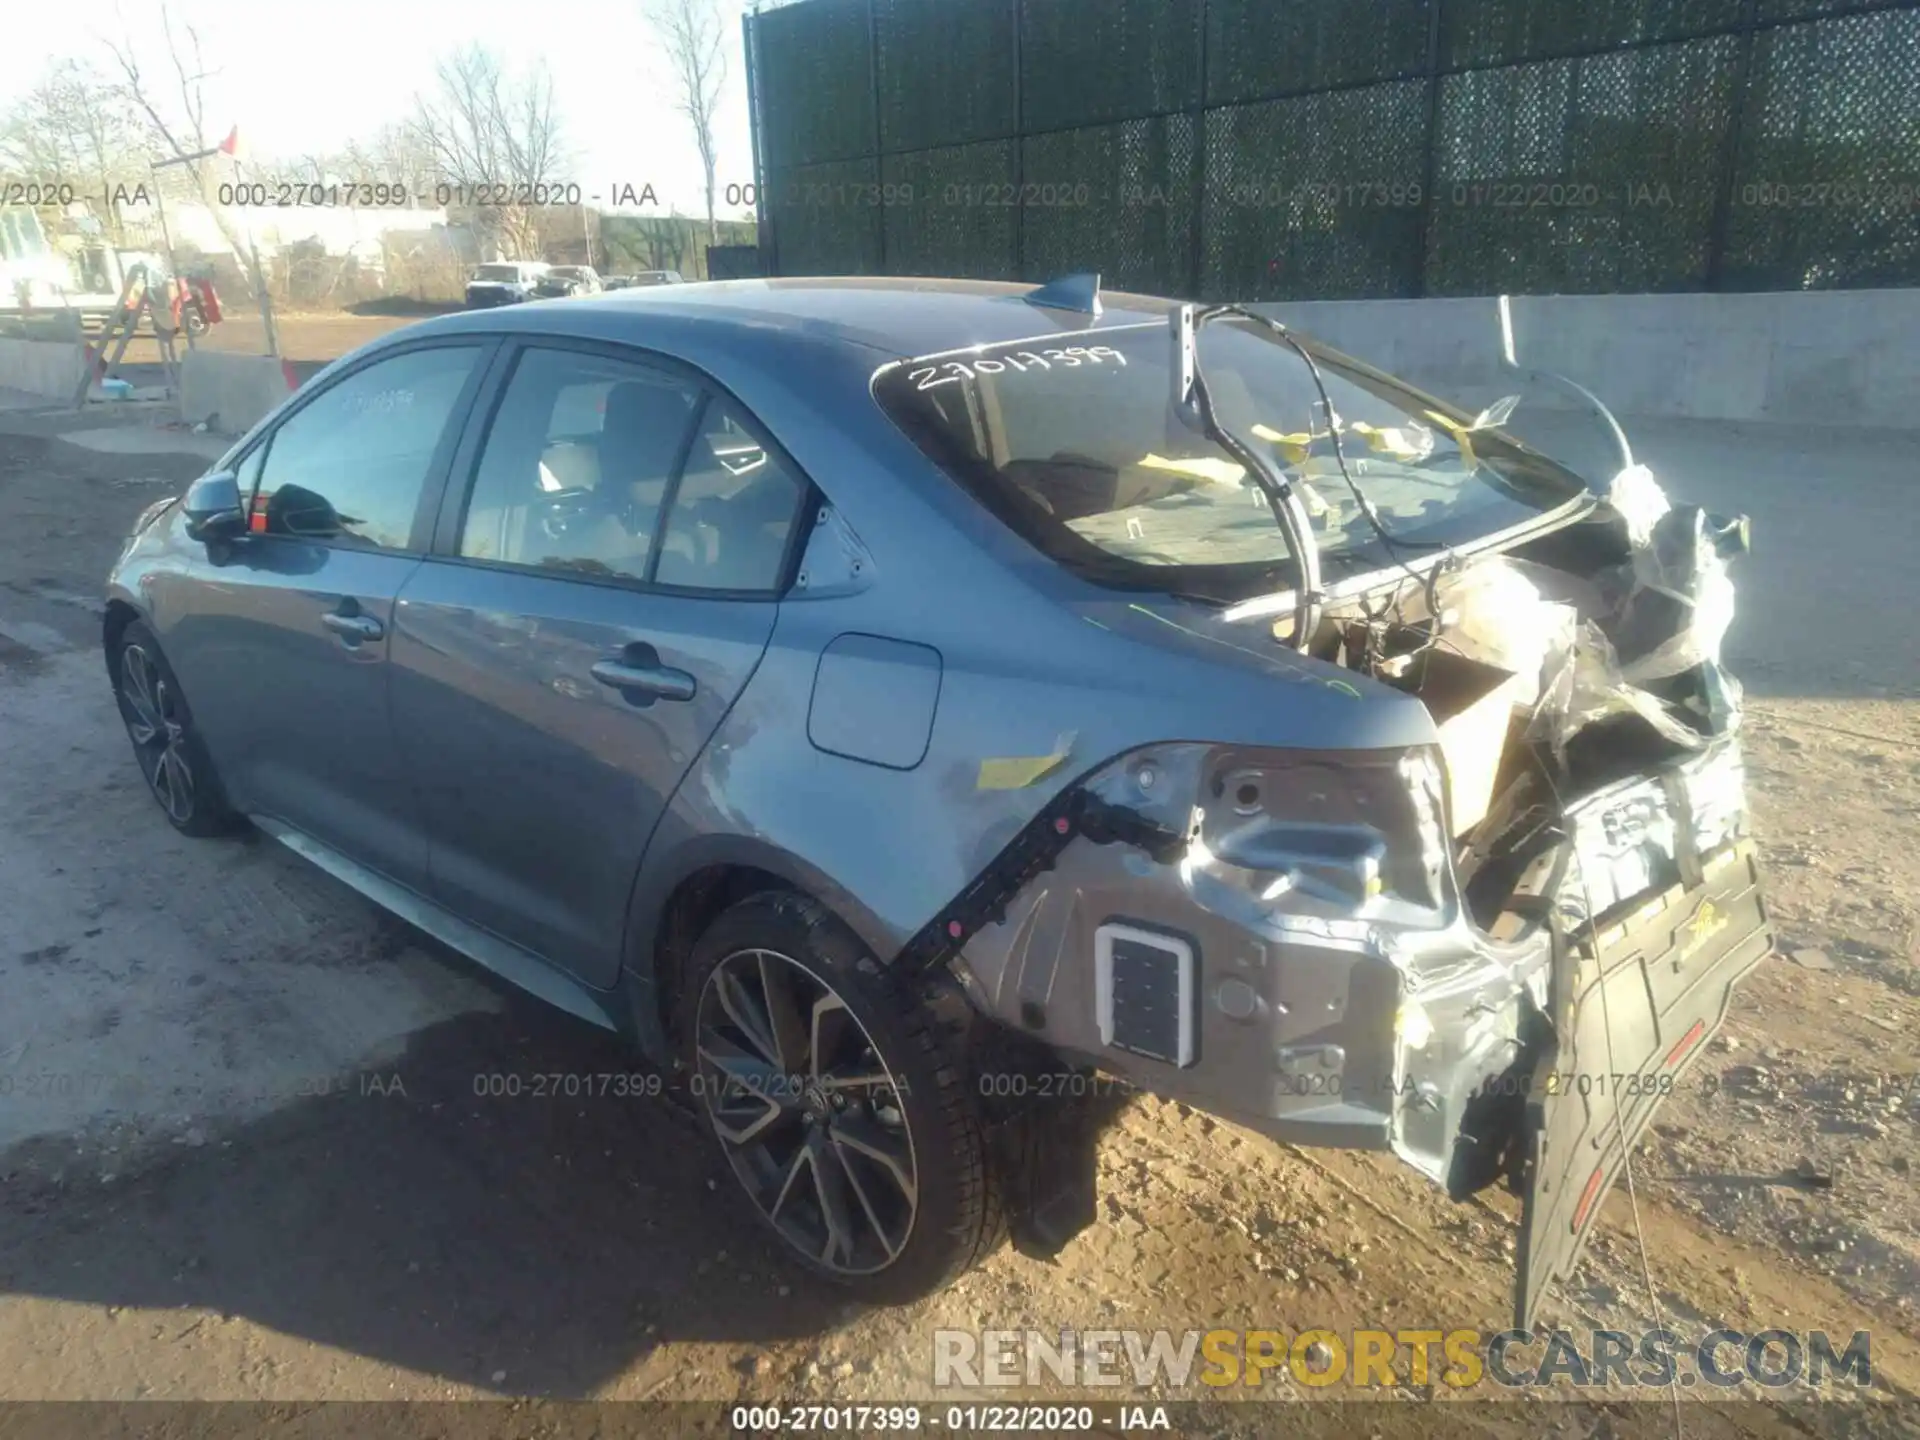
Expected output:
{"points": [[827, 218], [1585, 175], [1260, 48], [1826, 191], [945, 71], [1086, 64], [1494, 32], [813, 70], [1116, 199], [1326, 149], [950, 211], [1315, 195]]}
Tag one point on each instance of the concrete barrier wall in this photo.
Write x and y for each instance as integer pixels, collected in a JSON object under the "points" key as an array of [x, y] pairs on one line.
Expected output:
{"points": [[51, 369], [231, 392], [1843, 357]]}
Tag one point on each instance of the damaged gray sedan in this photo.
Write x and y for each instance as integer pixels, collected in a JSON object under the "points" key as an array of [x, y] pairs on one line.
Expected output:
{"points": [[908, 707]]}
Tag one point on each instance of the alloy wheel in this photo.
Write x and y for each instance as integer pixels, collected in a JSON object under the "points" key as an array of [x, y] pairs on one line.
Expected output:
{"points": [[158, 731], [808, 1111]]}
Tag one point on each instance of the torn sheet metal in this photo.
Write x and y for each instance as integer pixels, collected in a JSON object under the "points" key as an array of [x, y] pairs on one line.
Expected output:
{"points": [[1586, 685], [1639, 636], [1492, 612], [1639, 500], [1681, 601]]}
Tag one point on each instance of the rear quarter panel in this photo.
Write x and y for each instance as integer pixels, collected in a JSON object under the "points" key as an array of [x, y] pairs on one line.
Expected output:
{"points": [[1032, 663]]}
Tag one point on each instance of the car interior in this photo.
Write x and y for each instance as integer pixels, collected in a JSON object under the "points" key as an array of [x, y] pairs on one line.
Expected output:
{"points": [[575, 474]]}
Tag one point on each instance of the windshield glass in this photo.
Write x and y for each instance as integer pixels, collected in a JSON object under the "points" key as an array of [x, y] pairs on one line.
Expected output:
{"points": [[497, 272], [1077, 447]]}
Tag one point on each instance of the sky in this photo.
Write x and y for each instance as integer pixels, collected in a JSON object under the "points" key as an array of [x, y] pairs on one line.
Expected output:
{"points": [[303, 78]]}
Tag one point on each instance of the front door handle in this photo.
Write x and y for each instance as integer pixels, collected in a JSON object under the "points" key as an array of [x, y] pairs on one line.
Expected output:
{"points": [[662, 682], [353, 628]]}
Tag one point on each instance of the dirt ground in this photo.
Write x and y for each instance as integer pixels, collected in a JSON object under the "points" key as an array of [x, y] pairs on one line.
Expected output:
{"points": [[304, 338], [307, 341], [242, 1154]]}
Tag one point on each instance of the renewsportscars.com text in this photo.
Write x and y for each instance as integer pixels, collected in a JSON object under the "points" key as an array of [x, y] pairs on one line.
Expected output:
{"points": [[1364, 1359]]}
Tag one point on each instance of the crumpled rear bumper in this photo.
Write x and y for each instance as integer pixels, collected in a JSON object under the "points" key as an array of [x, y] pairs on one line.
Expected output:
{"points": [[1350, 1033]]}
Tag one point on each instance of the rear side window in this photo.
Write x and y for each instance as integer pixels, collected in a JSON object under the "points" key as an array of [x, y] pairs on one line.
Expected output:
{"points": [[351, 465], [733, 510], [576, 465]]}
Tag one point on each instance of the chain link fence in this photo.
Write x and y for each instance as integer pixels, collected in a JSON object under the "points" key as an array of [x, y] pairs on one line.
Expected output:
{"points": [[1323, 149]]}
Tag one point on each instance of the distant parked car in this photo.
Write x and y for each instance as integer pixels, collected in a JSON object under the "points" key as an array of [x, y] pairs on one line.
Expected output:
{"points": [[504, 282], [568, 280], [645, 277]]}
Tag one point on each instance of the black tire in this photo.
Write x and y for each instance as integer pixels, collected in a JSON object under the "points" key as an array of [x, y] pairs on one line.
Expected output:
{"points": [[172, 757], [918, 1036]]}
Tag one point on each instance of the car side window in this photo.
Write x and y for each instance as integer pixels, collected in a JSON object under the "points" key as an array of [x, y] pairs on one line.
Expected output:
{"points": [[350, 465], [246, 477], [576, 463], [732, 512]]}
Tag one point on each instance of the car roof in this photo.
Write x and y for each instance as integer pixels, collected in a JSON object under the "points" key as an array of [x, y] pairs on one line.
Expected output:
{"points": [[897, 316]]}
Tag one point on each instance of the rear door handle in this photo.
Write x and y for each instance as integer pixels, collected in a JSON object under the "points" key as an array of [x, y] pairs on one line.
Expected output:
{"points": [[660, 681], [353, 627]]}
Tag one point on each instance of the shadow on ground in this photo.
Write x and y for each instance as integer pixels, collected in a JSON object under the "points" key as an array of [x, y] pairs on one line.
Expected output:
{"points": [[458, 1234]]}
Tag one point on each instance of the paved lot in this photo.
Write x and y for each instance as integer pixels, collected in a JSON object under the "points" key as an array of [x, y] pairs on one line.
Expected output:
{"points": [[242, 1153]]}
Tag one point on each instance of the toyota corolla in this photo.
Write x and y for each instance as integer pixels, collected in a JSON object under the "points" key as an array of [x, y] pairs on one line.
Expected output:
{"points": [[881, 698]]}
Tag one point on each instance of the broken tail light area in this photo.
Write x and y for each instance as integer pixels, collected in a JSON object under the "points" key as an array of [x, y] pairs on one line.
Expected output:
{"points": [[1622, 856], [1257, 932], [1278, 937]]}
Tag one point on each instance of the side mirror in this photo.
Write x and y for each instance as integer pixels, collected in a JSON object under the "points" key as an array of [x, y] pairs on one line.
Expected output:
{"points": [[212, 507]]}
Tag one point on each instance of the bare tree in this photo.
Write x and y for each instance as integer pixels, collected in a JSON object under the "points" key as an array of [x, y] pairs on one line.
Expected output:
{"points": [[394, 154], [692, 34], [73, 128], [178, 123], [494, 138], [665, 237]]}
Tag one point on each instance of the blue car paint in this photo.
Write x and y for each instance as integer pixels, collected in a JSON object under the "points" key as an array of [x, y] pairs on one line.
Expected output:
{"points": [[1028, 651], [842, 736]]}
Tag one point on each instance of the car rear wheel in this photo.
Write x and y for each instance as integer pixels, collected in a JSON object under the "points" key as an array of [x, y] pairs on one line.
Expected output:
{"points": [[172, 758], [839, 1099]]}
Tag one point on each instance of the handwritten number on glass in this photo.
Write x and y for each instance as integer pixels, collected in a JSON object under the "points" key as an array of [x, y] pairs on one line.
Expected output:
{"points": [[1018, 362]]}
